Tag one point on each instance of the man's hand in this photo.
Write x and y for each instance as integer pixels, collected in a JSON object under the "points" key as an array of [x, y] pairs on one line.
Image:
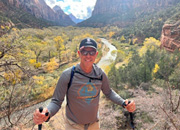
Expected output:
{"points": [[131, 107], [39, 118]]}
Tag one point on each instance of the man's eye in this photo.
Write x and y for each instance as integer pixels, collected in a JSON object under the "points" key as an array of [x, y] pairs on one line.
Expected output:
{"points": [[92, 53], [85, 52]]}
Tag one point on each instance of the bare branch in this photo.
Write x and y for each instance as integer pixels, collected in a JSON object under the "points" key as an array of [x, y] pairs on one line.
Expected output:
{"points": [[177, 104], [169, 117], [170, 96]]}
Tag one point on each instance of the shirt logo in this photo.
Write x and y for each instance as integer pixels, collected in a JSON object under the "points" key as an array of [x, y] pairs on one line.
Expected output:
{"points": [[87, 92]]}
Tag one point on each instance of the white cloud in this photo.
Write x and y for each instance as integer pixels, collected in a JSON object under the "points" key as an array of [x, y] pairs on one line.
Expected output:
{"points": [[79, 8]]}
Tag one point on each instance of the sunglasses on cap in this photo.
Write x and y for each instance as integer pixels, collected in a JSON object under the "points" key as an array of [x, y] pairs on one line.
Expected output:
{"points": [[85, 53]]}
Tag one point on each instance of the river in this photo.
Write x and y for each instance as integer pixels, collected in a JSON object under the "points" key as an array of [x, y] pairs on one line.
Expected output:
{"points": [[108, 58]]}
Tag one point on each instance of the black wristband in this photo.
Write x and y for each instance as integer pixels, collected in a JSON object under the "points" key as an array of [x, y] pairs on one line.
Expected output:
{"points": [[124, 104]]}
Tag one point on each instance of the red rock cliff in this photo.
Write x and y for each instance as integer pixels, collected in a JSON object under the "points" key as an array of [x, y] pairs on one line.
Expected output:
{"points": [[170, 37]]}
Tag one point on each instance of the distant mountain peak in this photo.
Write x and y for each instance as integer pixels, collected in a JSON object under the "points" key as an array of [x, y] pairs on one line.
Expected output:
{"points": [[56, 8], [74, 19]]}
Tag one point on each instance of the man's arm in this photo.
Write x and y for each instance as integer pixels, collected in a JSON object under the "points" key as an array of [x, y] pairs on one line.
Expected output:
{"points": [[114, 97], [109, 93], [57, 99], [59, 94]]}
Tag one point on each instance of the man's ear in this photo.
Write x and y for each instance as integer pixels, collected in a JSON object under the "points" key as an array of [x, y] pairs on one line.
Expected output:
{"points": [[97, 53], [78, 52]]}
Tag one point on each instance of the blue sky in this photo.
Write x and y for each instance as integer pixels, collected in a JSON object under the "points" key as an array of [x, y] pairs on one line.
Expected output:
{"points": [[81, 9]]}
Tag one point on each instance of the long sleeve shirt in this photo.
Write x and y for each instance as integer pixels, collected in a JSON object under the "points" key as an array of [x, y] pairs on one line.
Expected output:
{"points": [[83, 95]]}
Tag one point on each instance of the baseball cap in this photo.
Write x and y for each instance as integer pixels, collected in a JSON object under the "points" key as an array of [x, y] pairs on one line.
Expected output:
{"points": [[88, 42]]}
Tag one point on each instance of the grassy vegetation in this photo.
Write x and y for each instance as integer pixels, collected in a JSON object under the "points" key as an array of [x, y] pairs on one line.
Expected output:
{"points": [[147, 68]]}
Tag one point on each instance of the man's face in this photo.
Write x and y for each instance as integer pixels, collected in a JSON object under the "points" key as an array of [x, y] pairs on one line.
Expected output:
{"points": [[87, 55]]}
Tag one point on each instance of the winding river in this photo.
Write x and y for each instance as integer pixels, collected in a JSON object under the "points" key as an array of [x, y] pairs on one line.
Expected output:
{"points": [[108, 58]]}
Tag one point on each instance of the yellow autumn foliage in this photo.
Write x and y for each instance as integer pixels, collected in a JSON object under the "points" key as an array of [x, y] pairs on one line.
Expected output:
{"points": [[48, 92], [13, 77], [155, 70], [87, 35], [37, 65], [51, 66], [32, 61], [99, 46], [58, 39], [14, 29], [149, 43], [2, 27], [38, 80], [111, 34]]}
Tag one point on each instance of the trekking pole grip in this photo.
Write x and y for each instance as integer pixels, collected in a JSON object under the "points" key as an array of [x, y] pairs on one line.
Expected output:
{"points": [[40, 125], [46, 114]]}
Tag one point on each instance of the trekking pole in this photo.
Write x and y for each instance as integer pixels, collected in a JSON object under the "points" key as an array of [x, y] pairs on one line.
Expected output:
{"points": [[46, 114], [131, 117]]}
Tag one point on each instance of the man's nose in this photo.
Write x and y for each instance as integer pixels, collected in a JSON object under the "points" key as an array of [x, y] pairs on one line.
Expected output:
{"points": [[88, 55]]}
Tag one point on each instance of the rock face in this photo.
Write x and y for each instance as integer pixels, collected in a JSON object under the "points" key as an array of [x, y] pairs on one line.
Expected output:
{"points": [[124, 12], [170, 37], [123, 6], [40, 9], [63, 18]]}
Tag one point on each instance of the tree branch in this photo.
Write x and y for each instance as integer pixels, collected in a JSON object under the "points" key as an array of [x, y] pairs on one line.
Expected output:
{"points": [[169, 117], [177, 104]]}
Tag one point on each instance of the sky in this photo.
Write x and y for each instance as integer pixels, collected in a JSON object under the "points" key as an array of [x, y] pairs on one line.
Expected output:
{"points": [[81, 9]]}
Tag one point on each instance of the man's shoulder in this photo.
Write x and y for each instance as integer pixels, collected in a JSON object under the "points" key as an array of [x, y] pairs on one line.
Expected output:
{"points": [[67, 71], [97, 68]]}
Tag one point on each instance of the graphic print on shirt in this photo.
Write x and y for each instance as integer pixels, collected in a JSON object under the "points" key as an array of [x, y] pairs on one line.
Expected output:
{"points": [[87, 92]]}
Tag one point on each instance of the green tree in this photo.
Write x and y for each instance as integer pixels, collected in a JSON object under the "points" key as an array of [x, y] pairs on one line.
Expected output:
{"points": [[113, 76], [167, 64]]}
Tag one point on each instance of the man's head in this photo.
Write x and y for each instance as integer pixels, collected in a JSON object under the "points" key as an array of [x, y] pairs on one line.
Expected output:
{"points": [[88, 51]]}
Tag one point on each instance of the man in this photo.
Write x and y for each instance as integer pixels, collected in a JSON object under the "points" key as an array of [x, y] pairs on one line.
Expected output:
{"points": [[82, 93]]}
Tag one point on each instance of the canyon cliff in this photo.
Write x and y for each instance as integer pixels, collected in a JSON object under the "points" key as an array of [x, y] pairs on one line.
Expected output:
{"points": [[124, 13], [170, 37], [41, 10]]}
